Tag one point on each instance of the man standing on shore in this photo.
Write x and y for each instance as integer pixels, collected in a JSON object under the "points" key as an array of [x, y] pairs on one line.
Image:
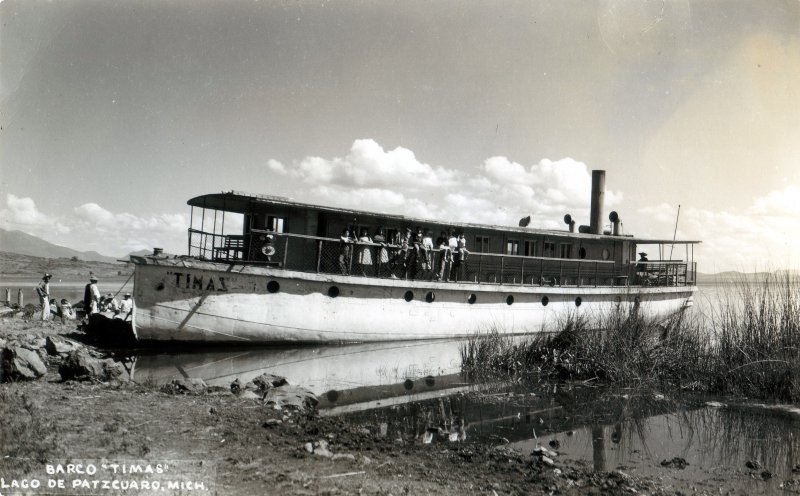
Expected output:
{"points": [[43, 290], [91, 297], [125, 307]]}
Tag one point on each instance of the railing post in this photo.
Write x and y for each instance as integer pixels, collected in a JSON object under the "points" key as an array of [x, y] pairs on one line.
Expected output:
{"points": [[480, 267], [350, 263], [502, 269], [522, 273], [541, 271], [579, 275], [319, 255], [561, 272], [285, 251], [595, 273]]}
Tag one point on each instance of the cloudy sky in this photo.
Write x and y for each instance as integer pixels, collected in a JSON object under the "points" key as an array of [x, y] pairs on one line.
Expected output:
{"points": [[113, 114]]}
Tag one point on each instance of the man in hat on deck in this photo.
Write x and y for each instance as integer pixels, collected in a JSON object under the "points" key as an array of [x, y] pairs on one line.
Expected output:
{"points": [[91, 297], [641, 268], [43, 290]]}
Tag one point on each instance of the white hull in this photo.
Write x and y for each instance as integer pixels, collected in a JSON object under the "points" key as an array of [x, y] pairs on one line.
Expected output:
{"points": [[202, 302]]}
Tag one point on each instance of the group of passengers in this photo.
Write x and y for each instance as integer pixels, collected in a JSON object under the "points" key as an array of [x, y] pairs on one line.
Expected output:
{"points": [[410, 255]]}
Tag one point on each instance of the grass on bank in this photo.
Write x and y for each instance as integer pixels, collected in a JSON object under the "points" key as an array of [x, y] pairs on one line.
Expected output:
{"points": [[749, 346]]}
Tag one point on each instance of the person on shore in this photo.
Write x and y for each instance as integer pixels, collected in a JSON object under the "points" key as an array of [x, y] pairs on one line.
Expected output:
{"points": [[125, 307], [110, 304], [91, 297], [43, 290], [65, 310]]}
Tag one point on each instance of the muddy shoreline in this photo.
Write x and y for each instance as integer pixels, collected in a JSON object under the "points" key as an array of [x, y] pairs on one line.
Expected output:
{"points": [[251, 446]]}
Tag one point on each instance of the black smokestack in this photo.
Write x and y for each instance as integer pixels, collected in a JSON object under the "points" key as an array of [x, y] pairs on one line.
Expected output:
{"points": [[598, 194]]}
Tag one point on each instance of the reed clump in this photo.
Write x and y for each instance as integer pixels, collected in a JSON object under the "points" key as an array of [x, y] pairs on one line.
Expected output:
{"points": [[749, 346], [756, 334]]}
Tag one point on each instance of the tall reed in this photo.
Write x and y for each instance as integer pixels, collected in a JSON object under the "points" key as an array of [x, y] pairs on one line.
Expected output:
{"points": [[756, 337], [749, 346]]}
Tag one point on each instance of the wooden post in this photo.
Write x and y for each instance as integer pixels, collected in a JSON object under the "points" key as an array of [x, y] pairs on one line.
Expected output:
{"points": [[19, 298], [8, 297]]}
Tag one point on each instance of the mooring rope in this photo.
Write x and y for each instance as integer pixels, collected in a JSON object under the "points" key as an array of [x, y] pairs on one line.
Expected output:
{"points": [[123, 285]]}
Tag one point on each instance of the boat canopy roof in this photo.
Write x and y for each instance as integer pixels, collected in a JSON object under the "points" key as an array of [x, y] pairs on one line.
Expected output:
{"points": [[242, 203]]}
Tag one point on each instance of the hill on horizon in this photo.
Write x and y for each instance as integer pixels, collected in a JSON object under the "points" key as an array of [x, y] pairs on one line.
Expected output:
{"points": [[26, 244]]}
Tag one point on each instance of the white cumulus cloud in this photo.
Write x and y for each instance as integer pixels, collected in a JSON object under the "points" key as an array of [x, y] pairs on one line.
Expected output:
{"points": [[498, 191]]}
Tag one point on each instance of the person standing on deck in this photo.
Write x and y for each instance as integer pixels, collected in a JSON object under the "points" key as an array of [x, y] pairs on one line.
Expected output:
{"points": [[43, 290], [459, 256], [427, 249], [445, 255], [383, 253], [346, 254], [365, 252], [452, 243]]}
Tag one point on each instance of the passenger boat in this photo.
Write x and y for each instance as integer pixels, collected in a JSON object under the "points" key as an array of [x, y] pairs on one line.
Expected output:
{"points": [[264, 270]]}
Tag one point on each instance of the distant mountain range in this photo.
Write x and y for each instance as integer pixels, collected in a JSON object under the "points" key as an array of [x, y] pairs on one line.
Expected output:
{"points": [[25, 244]]}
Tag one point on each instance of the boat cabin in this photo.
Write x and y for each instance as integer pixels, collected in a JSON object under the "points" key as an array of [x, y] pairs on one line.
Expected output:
{"points": [[240, 228]]}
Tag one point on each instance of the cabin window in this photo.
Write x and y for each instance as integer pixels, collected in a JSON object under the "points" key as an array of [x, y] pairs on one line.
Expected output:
{"points": [[512, 247], [529, 248], [566, 251], [482, 244], [549, 249], [276, 224]]}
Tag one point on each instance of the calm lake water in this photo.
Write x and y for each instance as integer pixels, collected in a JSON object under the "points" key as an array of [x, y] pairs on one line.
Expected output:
{"points": [[71, 290]]}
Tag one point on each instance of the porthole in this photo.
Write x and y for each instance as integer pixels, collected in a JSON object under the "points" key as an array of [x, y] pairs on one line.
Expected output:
{"points": [[332, 395], [606, 254], [430, 297], [408, 384], [578, 301], [582, 252], [617, 300], [430, 381], [510, 300], [472, 299], [545, 301], [273, 286], [408, 296], [160, 287], [333, 291]]}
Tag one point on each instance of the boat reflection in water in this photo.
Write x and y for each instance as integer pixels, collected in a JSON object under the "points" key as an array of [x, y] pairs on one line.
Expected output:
{"points": [[345, 378], [413, 391]]}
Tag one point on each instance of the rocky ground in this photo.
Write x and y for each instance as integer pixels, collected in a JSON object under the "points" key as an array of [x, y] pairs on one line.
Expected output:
{"points": [[63, 400]]}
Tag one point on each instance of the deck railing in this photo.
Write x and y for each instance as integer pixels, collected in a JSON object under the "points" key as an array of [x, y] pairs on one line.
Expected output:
{"points": [[332, 256]]}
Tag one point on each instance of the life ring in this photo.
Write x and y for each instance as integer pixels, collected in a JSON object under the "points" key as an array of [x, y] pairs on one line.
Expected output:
{"points": [[268, 250]]}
